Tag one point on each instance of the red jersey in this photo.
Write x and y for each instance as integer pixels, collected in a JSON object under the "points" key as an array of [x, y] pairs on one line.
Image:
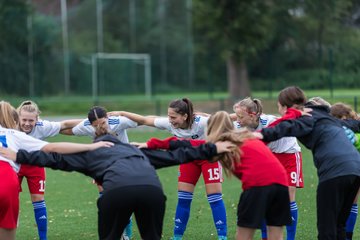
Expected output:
{"points": [[258, 166]]}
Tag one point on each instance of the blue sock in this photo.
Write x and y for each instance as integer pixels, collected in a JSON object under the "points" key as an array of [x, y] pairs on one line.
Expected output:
{"points": [[182, 212], [263, 230], [350, 223], [291, 229], [41, 218], [219, 213]]}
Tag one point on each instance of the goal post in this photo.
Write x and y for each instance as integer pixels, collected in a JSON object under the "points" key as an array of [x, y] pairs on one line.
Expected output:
{"points": [[143, 57]]}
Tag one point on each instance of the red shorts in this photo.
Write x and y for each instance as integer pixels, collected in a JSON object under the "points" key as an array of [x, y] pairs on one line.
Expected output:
{"points": [[292, 162], [35, 177], [9, 196], [190, 172]]}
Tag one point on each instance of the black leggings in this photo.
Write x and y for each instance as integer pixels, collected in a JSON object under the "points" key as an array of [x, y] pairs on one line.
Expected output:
{"points": [[334, 201], [115, 207]]}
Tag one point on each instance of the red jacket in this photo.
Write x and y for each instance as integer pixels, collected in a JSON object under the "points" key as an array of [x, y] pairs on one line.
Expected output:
{"points": [[258, 166], [291, 113]]}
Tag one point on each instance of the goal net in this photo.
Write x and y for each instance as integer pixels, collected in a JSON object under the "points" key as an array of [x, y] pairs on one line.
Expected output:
{"points": [[121, 73]]}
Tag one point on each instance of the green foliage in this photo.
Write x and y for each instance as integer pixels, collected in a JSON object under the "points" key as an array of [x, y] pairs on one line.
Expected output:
{"points": [[240, 28], [188, 44], [13, 45]]}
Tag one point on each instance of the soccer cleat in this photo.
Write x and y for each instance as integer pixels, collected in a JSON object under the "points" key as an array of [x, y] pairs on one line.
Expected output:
{"points": [[222, 238]]}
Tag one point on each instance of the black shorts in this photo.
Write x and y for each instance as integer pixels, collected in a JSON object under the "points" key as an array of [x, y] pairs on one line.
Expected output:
{"points": [[147, 202], [270, 203]]}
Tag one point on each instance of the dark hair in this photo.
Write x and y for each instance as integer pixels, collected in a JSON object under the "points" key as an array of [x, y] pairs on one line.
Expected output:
{"points": [[292, 97], [184, 106], [96, 112]]}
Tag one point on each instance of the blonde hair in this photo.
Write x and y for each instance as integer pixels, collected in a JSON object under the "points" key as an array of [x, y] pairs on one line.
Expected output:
{"points": [[253, 106], [8, 115], [29, 106], [221, 128], [319, 101]]}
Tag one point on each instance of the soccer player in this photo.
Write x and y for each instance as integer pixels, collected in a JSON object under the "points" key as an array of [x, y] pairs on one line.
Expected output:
{"points": [[184, 124], [249, 161], [344, 111], [128, 177], [249, 113], [336, 160], [98, 121], [9, 184], [30, 123]]}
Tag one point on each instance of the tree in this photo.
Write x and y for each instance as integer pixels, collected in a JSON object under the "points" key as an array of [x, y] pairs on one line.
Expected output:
{"points": [[241, 28], [13, 45]]}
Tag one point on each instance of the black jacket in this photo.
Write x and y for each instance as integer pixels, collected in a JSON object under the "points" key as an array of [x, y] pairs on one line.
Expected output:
{"points": [[120, 165], [333, 153]]}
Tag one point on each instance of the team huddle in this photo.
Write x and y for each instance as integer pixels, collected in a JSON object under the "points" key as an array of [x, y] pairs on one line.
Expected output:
{"points": [[245, 143]]}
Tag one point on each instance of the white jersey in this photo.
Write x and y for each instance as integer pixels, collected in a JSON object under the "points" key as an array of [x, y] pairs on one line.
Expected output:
{"points": [[117, 126], [44, 129], [197, 130], [283, 145], [16, 140], [236, 125]]}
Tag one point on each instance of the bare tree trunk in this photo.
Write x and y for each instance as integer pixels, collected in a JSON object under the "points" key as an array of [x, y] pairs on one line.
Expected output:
{"points": [[238, 80]]}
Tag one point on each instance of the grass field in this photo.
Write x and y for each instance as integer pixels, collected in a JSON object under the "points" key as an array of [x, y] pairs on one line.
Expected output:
{"points": [[157, 104], [72, 214]]}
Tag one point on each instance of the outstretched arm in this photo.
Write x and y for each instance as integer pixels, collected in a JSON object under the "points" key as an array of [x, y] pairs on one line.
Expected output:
{"points": [[67, 131], [68, 124], [68, 148], [353, 124], [160, 159], [289, 128], [291, 113], [140, 119], [168, 143], [70, 162]]}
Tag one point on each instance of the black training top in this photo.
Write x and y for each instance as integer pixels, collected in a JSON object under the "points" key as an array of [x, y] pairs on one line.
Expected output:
{"points": [[333, 153], [120, 165]]}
